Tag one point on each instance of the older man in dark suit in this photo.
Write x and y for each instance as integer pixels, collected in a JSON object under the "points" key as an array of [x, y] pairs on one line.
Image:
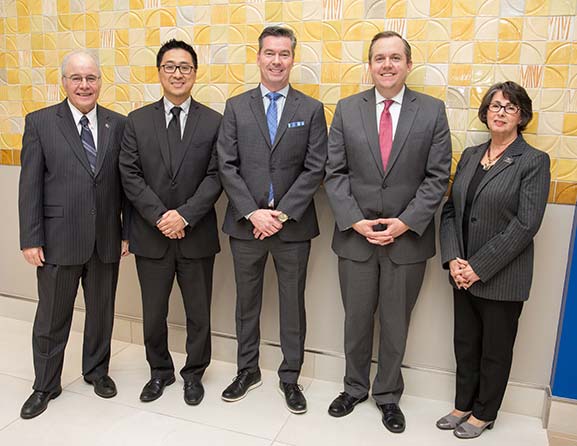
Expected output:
{"points": [[70, 205], [170, 174], [272, 152], [387, 170]]}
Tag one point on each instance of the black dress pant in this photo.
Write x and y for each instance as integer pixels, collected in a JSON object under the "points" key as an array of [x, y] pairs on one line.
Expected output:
{"points": [[290, 261], [57, 290], [485, 332], [194, 277]]}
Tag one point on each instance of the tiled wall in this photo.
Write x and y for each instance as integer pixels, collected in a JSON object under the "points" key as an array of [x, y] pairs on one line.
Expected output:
{"points": [[460, 47]]}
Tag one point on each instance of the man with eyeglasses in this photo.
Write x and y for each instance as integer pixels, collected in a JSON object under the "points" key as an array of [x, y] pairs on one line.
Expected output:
{"points": [[70, 205], [170, 174], [272, 152]]}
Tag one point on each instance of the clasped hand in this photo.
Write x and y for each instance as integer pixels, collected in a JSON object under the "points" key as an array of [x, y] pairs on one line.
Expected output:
{"points": [[462, 273], [395, 228], [171, 224], [265, 223]]}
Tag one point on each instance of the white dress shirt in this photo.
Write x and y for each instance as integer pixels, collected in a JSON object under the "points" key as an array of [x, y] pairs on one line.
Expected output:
{"points": [[395, 108]]}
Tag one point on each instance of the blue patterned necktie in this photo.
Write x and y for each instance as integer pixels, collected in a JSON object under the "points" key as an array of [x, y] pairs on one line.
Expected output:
{"points": [[88, 142], [272, 122]]}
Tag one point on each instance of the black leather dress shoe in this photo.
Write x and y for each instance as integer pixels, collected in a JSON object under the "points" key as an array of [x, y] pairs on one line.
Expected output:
{"points": [[393, 418], [193, 392], [37, 403], [293, 396], [243, 382], [154, 388], [104, 387], [344, 404]]}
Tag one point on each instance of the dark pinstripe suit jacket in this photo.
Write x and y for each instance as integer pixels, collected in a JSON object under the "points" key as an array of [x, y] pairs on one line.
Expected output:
{"points": [[153, 188], [506, 213], [64, 207]]}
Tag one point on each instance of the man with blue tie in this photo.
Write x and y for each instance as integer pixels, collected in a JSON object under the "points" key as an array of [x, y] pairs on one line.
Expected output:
{"points": [[271, 152], [70, 205]]}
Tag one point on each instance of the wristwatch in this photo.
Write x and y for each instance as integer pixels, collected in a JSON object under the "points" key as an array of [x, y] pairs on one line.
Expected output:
{"points": [[282, 217]]}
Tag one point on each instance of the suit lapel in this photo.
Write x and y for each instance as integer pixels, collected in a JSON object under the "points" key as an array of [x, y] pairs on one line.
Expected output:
{"points": [[103, 137], [159, 120], [290, 107], [70, 132], [368, 112], [467, 173], [189, 129], [507, 159], [406, 118], [256, 105]]}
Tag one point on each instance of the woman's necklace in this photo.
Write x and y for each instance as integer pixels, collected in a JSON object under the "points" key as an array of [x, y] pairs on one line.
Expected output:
{"points": [[492, 161]]}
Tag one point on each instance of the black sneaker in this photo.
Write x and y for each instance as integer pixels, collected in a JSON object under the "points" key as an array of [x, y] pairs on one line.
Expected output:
{"points": [[294, 398], [243, 382]]}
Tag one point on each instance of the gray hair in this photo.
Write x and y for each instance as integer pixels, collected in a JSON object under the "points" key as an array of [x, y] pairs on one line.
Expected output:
{"points": [[76, 52], [277, 31]]}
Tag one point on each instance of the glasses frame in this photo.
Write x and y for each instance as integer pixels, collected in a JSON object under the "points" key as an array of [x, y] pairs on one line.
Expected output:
{"points": [[179, 68], [74, 79], [503, 107]]}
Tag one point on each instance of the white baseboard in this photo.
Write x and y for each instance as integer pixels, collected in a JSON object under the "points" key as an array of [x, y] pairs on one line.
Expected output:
{"points": [[563, 416], [327, 366]]}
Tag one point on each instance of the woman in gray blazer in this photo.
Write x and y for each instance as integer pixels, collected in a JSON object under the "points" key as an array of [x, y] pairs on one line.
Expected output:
{"points": [[494, 210]]}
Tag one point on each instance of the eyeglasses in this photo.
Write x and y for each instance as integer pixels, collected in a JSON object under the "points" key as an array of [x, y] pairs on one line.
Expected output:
{"points": [[510, 109], [171, 69], [76, 79]]}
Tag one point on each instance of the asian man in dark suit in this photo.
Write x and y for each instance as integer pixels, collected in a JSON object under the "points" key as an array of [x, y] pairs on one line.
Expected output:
{"points": [[170, 174], [388, 167], [70, 205], [272, 152]]}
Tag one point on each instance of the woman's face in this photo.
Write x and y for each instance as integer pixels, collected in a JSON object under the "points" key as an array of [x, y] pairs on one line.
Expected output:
{"points": [[503, 122]]}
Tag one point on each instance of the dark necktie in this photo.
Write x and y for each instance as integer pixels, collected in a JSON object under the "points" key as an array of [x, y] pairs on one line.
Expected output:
{"points": [[386, 133], [174, 137], [88, 142], [272, 122]]}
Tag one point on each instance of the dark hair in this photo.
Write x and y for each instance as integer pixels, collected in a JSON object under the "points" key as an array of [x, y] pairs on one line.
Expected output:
{"points": [[277, 31], [386, 35], [514, 93], [176, 44]]}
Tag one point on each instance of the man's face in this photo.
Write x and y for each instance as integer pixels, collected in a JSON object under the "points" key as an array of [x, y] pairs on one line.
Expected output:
{"points": [[275, 61], [81, 82], [176, 86], [389, 66]]}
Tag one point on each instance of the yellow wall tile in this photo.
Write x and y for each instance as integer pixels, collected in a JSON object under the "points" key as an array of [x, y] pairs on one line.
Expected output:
{"points": [[558, 53], [332, 52], [555, 76], [219, 14], [331, 31], [438, 52], [441, 8], [330, 73], [570, 124], [273, 11], [509, 52], [396, 9], [566, 170], [485, 52], [537, 7], [510, 28], [464, 8], [462, 28], [460, 74]]}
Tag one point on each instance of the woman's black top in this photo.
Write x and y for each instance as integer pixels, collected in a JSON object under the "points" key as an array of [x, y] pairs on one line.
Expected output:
{"points": [[473, 185]]}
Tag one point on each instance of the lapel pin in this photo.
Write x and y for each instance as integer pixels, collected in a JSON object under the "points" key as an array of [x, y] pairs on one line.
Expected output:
{"points": [[508, 160], [107, 125]]}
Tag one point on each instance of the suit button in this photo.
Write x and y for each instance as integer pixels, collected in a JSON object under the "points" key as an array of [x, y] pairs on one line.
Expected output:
{"points": [[93, 211], [379, 214], [173, 185], [473, 220]]}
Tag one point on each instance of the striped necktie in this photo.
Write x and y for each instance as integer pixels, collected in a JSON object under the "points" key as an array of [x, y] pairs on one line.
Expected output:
{"points": [[88, 142]]}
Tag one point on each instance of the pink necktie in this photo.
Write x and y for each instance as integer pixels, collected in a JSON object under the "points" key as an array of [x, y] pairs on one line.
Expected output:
{"points": [[386, 133]]}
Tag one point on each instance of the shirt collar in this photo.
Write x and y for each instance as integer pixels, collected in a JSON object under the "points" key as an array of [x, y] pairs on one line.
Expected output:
{"points": [[283, 91], [77, 114], [398, 98], [168, 105]]}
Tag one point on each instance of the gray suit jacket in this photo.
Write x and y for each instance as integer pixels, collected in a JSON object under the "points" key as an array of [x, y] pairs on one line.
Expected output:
{"points": [[294, 162], [506, 213], [412, 187], [153, 188], [64, 207]]}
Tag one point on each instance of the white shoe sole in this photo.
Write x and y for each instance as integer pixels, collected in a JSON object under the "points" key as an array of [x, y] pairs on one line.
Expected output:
{"points": [[297, 412], [232, 400]]}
